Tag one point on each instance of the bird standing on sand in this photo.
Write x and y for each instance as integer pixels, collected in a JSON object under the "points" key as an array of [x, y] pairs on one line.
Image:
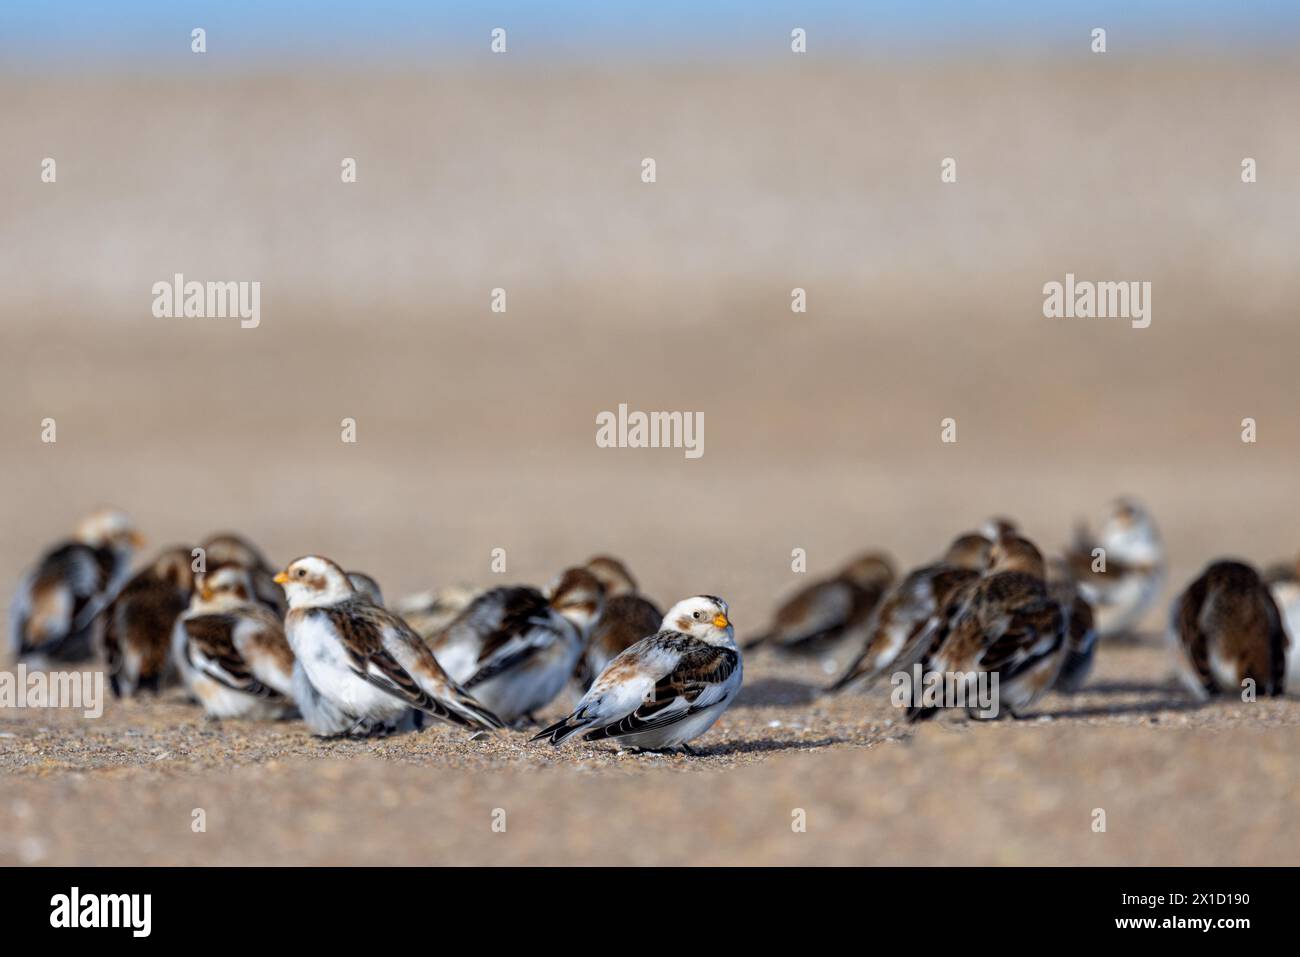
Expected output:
{"points": [[139, 621], [1134, 567], [1225, 628], [231, 650], [365, 661], [56, 614], [515, 647], [667, 689], [820, 613], [1004, 622], [318, 713]]}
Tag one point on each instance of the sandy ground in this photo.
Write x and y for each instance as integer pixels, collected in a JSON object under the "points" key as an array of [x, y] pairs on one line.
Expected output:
{"points": [[1178, 783], [476, 430]]}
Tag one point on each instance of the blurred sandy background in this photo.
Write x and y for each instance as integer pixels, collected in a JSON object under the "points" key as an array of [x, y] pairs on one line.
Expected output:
{"points": [[476, 430]]}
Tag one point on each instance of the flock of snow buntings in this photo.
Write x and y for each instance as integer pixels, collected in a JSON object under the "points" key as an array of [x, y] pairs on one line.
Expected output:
{"points": [[316, 641]]}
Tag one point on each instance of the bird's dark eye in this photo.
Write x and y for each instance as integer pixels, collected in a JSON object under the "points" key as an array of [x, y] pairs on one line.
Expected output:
{"points": [[302, 573], [697, 616]]}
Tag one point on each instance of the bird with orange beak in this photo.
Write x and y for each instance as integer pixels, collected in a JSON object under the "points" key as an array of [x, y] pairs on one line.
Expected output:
{"points": [[57, 613], [667, 689], [363, 660]]}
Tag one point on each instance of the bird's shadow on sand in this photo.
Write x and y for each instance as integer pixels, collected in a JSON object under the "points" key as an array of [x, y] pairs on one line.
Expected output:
{"points": [[1167, 699], [723, 749], [773, 692]]}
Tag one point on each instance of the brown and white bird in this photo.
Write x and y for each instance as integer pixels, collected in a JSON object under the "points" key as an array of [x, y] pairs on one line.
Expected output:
{"points": [[231, 650], [57, 613], [515, 647], [667, 689], [818, 615], [1006, 623], [1124, 578], [138, 624], [227, 548], [318, 713], [365, 661], [1225, 628], [908, 607]]}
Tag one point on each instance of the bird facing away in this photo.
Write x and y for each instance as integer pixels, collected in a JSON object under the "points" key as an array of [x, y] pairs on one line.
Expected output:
{"points": [[1122, 590], [819, 614], [1225, 629], [231, 650], [667, 689], [364, 660], [57, 612], [1004, 622], [139, 621], [908, 607], [515, 647]]}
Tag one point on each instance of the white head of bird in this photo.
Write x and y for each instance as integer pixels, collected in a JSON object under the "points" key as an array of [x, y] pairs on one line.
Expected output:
{"points": [[314, 582], [109, 528], [704, 617], [579, 596], [225, 586], [1130, 535]]}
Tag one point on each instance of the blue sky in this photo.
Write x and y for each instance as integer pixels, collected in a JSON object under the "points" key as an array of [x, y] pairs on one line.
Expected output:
{"points": [[150, 31]]}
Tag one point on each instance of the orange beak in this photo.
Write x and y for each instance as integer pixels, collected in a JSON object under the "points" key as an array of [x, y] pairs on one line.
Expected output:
{"points": [[281, 578], [136, 539], [720, 621], [205, 592]]}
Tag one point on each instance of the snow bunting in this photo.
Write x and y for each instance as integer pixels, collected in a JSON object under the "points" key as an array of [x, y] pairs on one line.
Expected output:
{"points": [[908, 608], [363, 660], [1004, 622], [56, 613], [514, 647], [1081, 633], [139, 621], [430, 612], [1284, 584], [667, 689], [231, 649], [613, 575], [818, 614], [228, 548], [322, 717], [1134, 567], [1225, 628]]}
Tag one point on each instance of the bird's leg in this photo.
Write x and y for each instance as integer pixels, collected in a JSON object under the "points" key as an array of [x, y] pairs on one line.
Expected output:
{"points": [[687, 749]]}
